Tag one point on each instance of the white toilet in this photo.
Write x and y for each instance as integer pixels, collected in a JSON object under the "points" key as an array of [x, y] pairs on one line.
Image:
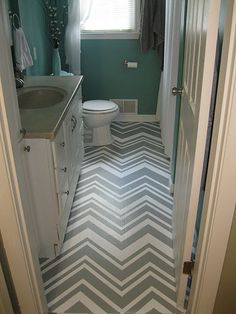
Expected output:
{"points": [[98, 115]]}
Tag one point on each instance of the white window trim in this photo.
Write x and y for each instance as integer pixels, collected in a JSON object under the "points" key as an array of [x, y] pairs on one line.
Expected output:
{"points": [[123, 34], [110, 35]]}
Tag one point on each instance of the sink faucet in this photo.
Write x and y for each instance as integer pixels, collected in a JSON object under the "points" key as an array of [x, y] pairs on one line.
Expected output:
{"points": [[19, 79]]}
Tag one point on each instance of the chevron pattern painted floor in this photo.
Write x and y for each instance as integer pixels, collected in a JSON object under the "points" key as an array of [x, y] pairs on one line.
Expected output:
{"points": [[117, 256]]}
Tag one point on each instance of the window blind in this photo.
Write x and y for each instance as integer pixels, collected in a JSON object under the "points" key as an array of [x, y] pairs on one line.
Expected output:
{"points": [[108, 15]]}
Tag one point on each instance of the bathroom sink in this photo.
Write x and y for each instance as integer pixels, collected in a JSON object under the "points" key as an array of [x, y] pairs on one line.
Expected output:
{"points": [[39, 97]]}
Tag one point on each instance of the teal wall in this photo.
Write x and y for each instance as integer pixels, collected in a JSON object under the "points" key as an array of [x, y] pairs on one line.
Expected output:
{"points": [[35, 26], [106, 76], [13, 6]]}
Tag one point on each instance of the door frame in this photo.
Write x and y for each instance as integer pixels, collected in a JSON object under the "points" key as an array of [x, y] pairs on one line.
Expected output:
{"points": [[14, 219], [16, 241], [203, 292]]}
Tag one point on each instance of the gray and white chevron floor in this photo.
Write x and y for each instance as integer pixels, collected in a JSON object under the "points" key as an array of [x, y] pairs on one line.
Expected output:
{"points": [[118, 256]]}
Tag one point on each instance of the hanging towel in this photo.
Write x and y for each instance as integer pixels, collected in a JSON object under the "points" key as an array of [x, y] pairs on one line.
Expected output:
{"points": [[153, 27], [22, 52]]}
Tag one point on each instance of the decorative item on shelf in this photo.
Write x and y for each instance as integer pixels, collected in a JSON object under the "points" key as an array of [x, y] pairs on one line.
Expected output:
{"points": [[56, 62], [57, 19]]}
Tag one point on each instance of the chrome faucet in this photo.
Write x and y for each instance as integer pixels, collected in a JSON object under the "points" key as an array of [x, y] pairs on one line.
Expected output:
{"points": [[19, 79]]}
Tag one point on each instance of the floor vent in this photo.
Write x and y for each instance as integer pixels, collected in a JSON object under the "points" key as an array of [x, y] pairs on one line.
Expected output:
{"points": [[127, 106]]}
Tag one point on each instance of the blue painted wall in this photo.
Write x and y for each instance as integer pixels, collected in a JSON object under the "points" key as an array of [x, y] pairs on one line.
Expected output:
{"points": [[34, 23], [106, 76]]}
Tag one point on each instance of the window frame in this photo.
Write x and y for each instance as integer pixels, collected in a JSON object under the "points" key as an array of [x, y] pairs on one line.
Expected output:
{"points": [[122, 34]]}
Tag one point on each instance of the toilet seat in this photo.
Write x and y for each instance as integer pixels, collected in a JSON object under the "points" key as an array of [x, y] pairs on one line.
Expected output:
{"points": [[99, 106]]}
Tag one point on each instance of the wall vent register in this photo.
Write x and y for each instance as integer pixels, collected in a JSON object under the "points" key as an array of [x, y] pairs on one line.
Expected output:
{"points": [[127, 106]]}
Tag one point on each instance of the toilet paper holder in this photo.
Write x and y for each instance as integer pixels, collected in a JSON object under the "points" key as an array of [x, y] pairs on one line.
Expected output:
{"points": [[131, 64]]}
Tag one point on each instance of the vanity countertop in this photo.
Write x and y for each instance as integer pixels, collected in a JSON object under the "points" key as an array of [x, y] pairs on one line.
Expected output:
{"points": [[45, 122]]}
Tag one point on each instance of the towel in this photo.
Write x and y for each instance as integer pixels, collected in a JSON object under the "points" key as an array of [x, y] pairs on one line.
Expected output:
{"points": [[22, 52], [153, 27]]}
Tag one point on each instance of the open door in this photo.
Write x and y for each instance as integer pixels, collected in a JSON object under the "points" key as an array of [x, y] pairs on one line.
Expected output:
{"points": [[199, 57], [166, 101]]}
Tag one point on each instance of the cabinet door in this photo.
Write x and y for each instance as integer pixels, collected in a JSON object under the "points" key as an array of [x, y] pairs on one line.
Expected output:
{"points": [[41, 173]]}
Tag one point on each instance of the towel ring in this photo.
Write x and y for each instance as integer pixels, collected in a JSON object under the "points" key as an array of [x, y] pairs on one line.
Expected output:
{"points": [[15, 19]]}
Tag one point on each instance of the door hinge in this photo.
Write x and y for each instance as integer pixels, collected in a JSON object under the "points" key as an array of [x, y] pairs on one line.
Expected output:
{"points": [[188, 267]]}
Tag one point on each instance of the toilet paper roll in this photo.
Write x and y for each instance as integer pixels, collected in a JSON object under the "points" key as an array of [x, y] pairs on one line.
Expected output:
{"points": [[132, 65]]}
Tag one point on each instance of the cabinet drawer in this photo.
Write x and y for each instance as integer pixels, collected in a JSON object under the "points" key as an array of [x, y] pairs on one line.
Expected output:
{"points": [[78, 94], [59, 150], [60, 162], [76, 113], [79, 147], [77, 97], [61, 176], [63, 195], [80, 114]]}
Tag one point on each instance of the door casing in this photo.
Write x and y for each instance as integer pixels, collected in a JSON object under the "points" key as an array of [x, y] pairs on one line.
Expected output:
{"points": [[212, 230]]}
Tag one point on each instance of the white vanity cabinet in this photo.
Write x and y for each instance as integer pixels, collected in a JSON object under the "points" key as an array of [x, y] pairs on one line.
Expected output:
{"points": [[54, 167]]}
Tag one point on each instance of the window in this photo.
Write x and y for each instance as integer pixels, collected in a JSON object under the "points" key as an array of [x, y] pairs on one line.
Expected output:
{"points": [[109, 17]]}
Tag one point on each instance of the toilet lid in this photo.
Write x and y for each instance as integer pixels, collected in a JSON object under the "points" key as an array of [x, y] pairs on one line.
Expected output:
{"points": [[99, 105]]}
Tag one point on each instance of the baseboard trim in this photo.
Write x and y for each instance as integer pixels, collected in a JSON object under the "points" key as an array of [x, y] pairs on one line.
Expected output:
{"points": [[137, 117], [181, 310]]}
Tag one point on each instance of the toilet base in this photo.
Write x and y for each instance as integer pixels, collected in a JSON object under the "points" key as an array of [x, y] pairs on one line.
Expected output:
{"points": [[102, 136]]}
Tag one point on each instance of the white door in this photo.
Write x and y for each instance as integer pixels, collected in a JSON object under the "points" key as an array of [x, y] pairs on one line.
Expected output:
{"points": [[166, 101], [201, 36]]}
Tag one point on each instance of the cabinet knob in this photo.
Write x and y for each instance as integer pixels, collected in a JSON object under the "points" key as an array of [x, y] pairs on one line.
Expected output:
{"points": [[74, 121], [27, 148], [67, 192], [63, 144], [23, 131], [64, 169]]}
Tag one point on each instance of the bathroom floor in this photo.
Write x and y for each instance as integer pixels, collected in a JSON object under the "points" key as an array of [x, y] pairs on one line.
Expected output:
{"points": [[118, 256]]}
